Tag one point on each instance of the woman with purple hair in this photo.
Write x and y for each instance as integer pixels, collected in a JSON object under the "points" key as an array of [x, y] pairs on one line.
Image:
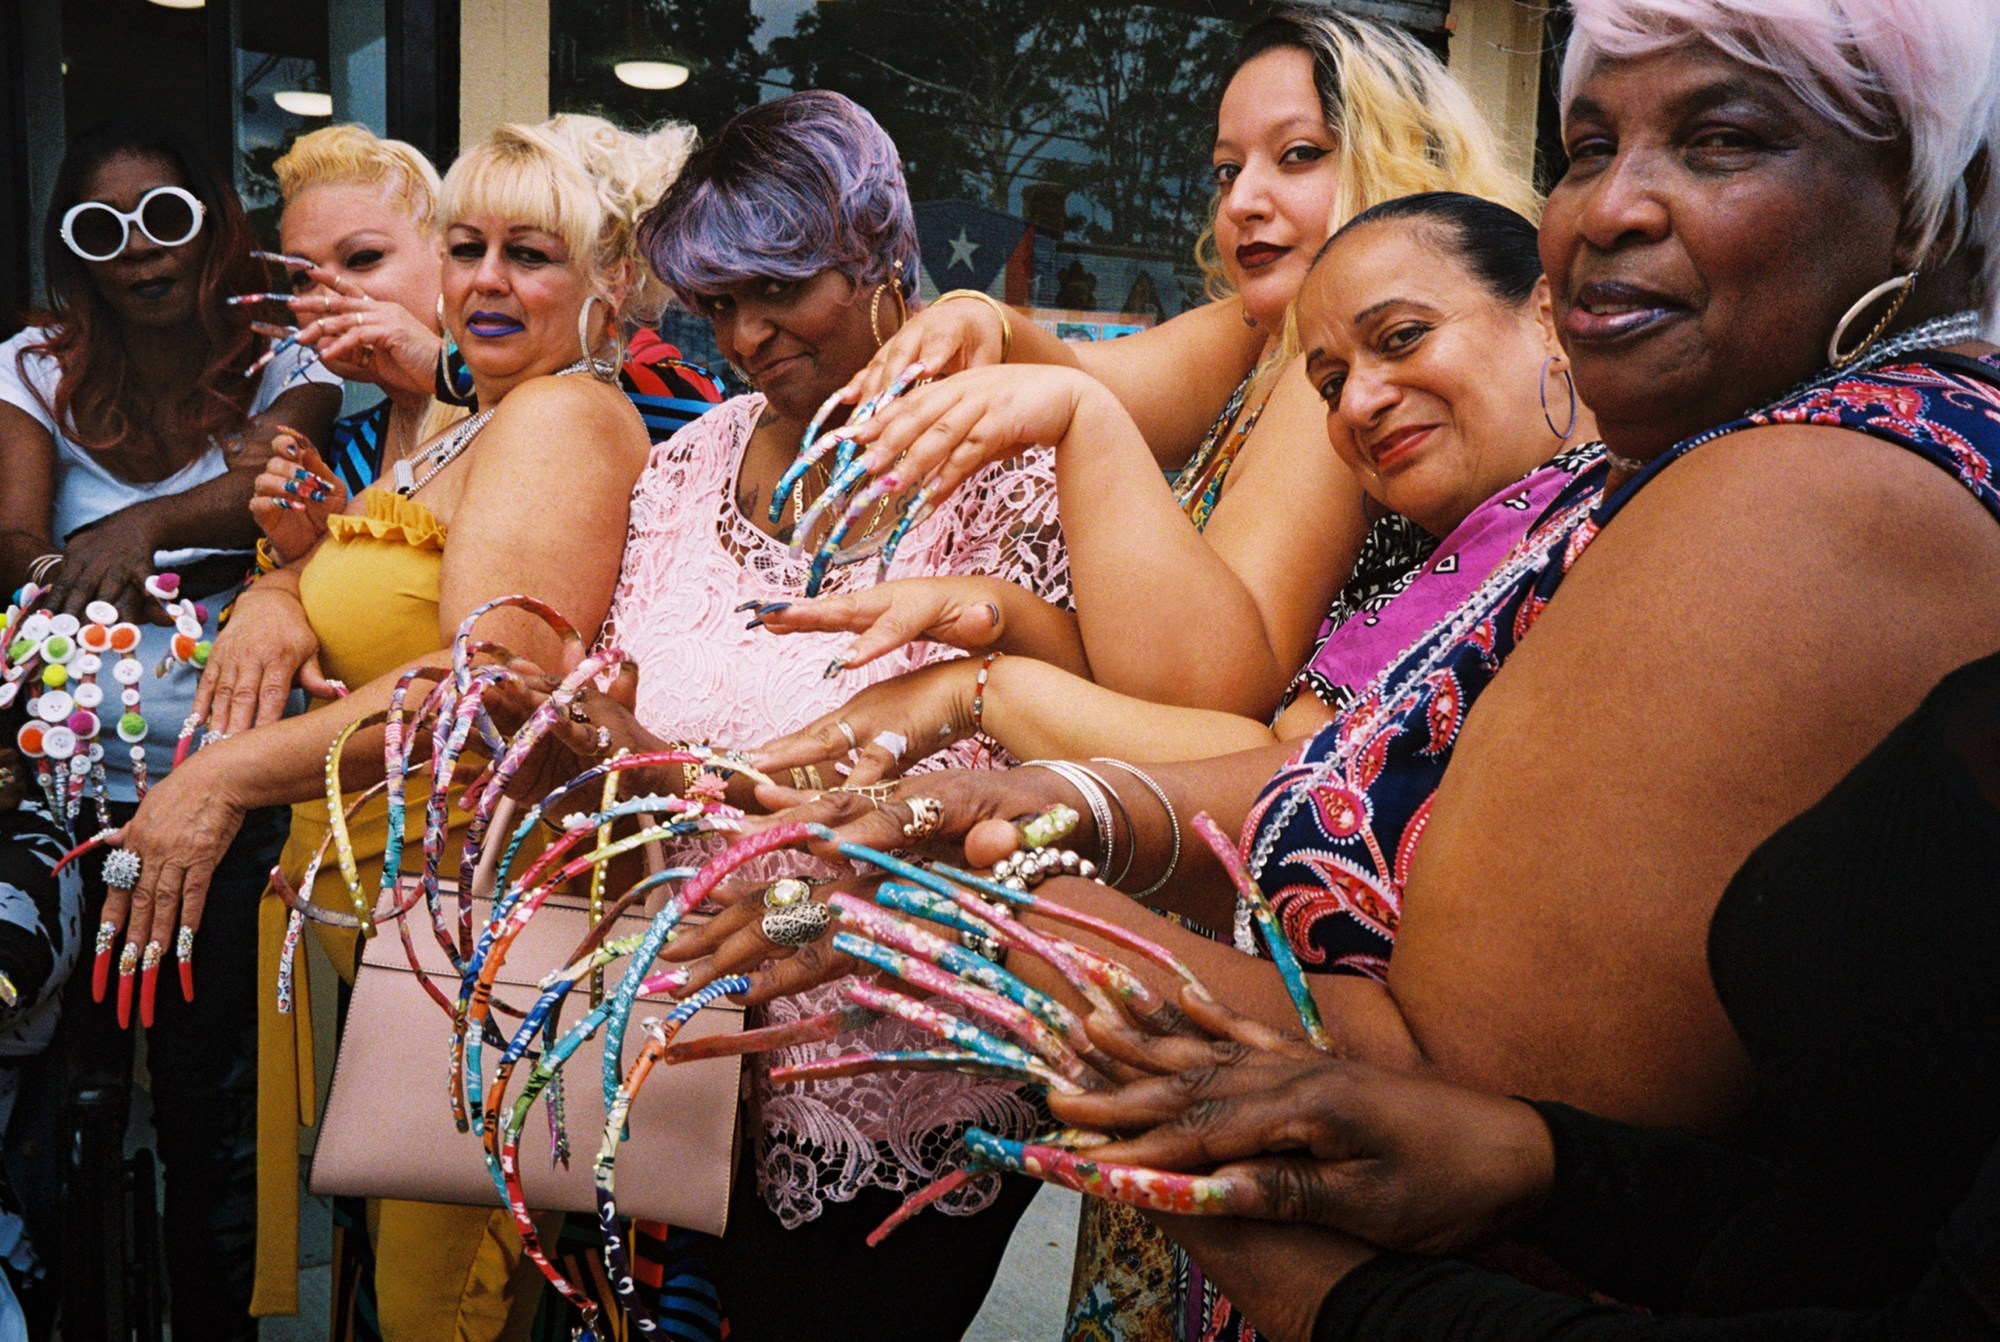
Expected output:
{"points": [[791, 233]]}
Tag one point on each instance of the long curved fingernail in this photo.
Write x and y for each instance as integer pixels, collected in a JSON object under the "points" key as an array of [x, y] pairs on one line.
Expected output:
{"points": [[100, 969], [833, 668], [184, 954], [128, 960], [748, 605], [149, 983]]}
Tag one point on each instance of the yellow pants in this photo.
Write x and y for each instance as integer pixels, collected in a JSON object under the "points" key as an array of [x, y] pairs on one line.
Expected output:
{"points": [[453, 1274]]}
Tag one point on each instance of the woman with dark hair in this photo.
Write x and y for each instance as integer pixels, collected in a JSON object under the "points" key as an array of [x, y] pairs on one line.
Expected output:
{"points": [[130, 439]]}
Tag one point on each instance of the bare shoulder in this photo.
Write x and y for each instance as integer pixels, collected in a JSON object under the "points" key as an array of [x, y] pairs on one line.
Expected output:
{"points": [[1829, 503], [550, 410]]}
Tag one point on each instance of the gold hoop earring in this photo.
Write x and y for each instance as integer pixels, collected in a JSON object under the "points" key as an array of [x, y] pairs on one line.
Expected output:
{"points": [[894, 284], [1902, 285], [875, 314], [590, 359]]}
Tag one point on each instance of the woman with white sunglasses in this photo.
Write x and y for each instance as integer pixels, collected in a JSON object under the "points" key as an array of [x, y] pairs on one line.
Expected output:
{"points": [[130, 436]]}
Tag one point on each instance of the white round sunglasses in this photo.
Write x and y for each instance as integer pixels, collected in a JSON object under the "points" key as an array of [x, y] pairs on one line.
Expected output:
{"points": [[168, 215]]}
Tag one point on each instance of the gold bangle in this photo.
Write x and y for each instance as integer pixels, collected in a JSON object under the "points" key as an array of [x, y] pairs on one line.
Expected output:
{"points": [[1006, 321]]}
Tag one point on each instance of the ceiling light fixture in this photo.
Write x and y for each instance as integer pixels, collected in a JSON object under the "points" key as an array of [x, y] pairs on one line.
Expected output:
{"points": [[180, 4], [300, 102], [651, 74]]}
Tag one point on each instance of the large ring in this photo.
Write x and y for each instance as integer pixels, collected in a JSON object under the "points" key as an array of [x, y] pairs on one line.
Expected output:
{"points": [[874, 792], [853, 741], [796, 925], [603, 739], [576, 712], [786, 893], [895, 743], [926, 818], [121, 869]]}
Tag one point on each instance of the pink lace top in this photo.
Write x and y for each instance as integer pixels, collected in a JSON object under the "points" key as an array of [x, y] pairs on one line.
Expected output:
{"points": [[691, 559]]}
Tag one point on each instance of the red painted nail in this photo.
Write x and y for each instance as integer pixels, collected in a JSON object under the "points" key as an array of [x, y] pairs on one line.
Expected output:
{"points": [[125, 999], [187, 980], [100, 969], [149, 989]]}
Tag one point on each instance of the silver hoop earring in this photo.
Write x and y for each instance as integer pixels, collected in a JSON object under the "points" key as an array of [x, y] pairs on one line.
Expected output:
{"points": [[1548, 419], [1902, 285], [590, 358]]}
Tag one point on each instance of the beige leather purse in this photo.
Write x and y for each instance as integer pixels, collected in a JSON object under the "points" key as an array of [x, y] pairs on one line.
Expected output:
{"points": [[388, 1133]]}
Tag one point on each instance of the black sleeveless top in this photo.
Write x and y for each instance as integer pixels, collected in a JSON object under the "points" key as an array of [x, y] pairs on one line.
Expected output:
{"points": [[1857, 953]]}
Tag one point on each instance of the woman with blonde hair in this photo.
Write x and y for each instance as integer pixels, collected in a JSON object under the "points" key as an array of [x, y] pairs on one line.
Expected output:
{"points": [[539, 264]]}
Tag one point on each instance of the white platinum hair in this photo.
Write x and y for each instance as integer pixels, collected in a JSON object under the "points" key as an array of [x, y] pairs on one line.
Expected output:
{"points": [[1921, 73]]}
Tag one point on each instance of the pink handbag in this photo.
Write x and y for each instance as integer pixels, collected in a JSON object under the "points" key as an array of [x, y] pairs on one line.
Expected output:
{"points": [[388, 1133]]}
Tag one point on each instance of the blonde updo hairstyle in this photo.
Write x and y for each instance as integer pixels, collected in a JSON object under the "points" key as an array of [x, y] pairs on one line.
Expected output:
{"points": [[1400, 123], [584, 180], [356, 156]]}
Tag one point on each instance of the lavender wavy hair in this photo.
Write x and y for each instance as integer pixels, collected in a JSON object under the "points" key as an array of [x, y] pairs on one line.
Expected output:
{"points": [[786, 190], [1924, 74]]}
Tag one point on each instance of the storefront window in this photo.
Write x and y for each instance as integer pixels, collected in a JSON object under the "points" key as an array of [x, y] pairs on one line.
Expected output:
{"points": [[1057, 150]]}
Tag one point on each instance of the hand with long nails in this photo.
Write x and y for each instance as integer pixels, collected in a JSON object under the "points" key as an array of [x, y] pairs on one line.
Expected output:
{"points": [[937, 436], [294, 496], [357, 337]]}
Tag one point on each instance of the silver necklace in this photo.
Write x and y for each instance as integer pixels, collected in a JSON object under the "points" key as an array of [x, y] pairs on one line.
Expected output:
{"points": [[459, 437]]}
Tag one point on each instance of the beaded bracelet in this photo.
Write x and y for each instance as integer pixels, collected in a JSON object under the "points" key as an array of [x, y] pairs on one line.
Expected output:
{"points": [[979, 695]]}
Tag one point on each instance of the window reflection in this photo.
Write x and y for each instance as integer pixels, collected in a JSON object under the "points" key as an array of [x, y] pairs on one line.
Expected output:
{"points": [[1056, 150]]}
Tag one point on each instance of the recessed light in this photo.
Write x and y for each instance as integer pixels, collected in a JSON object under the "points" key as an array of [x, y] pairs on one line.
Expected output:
{"points": [[180, 4], [651, 74], [301, 103]]}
